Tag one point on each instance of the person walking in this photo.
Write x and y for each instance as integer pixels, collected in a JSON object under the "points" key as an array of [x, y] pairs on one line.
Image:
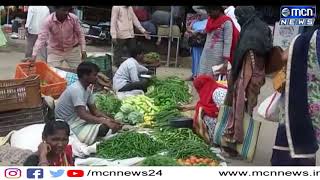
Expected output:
{"points": [[123, 20], [35, 18], [66, 41], [222, 36]]}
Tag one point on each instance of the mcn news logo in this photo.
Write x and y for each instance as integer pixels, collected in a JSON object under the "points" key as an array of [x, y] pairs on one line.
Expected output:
{"points": [[297, 15]]}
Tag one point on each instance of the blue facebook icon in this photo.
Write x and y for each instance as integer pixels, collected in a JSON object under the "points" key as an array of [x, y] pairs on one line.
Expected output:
{"points": [[35, 173]]}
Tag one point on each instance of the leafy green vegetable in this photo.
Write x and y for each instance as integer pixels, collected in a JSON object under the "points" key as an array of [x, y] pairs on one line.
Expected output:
{"points": [[151, 57], [119, 116], [159, 160], [129, 145], [135, 117], [108, 104]]}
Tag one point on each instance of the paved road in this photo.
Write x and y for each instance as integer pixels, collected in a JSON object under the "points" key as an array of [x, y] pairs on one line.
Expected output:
{"points": [[10, 56]]}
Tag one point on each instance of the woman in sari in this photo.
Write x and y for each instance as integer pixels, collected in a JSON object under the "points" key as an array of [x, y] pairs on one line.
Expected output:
{"points": [[211, 97], [54, 150], [222, 36], [298, 133], [248, 70]]}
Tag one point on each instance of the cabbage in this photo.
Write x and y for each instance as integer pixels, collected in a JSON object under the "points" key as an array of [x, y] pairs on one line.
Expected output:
{"points": [[127, 108], [119, 116], [135, 117]]}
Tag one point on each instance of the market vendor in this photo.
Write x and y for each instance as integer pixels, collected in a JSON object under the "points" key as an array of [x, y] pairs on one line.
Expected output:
{"points": [[71, 107], [127, 77], [54, 150]]}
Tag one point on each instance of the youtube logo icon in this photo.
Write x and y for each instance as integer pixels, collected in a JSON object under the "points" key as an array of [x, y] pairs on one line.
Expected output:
{"points": [[75, 173]]}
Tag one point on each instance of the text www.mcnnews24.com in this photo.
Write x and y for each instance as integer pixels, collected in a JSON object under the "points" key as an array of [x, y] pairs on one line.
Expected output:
{"points": [[150, 173]]}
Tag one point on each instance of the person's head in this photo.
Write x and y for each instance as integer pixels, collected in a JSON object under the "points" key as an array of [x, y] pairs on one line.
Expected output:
{"points": [[56, 134], [201, 81], [87, 72], [244, 13], [62, 12], [215, 11], [137, 53]]}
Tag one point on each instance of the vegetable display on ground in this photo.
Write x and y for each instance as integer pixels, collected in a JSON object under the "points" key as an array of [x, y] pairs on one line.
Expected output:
{"points": [[169, 93], [141, 104], [182, 143], [196, 161], [129, 145]]}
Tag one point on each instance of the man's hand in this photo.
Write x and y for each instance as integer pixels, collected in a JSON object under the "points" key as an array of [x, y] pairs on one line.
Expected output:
{"points": [[30, 59], [114, 41], [112, 124], [224, 69], [83, 55], [147, 35], [27, 32]]}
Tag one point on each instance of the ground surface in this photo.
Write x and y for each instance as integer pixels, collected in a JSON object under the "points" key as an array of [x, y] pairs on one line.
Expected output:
{"points": [[14, 52]]}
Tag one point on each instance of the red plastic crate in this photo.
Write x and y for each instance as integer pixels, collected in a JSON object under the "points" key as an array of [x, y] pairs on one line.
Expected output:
{"points": [[55, 84]]}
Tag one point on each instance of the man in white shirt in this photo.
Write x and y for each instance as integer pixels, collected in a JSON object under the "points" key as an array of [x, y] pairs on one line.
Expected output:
{"points": [[229, 11], [35, 18], [127, 76], [123, 20]]}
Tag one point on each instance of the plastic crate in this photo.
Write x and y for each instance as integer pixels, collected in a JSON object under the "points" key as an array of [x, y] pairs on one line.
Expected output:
{"points": [[20, 93], [15, 120], [55, 84], [103, 61]]}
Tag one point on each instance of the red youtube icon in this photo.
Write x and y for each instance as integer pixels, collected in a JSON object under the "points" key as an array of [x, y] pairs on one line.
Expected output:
{"points": [[75, 173]]}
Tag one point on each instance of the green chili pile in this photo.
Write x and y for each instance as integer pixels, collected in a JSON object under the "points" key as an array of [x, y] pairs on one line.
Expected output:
{"points": [[182, 143], [129, 145], [169, 93]]}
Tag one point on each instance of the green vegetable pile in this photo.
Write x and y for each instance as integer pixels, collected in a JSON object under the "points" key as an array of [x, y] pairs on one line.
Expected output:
{"points": [[169, 93], [129, 145], [182, 143], [151, 57], [159, 160], [108, 104]]}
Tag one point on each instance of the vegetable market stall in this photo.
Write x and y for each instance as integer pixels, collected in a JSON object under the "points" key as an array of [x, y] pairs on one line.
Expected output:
{"points": [[151, 140]]}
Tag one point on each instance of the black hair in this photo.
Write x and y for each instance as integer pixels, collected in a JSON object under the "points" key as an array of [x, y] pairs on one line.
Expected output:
{"points": [[86, 68], [212, 8], [52, 126], [135, 51], [58, 7]]}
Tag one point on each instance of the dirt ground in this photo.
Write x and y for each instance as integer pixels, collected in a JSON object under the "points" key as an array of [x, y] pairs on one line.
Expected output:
{"points": [[14, 52]]}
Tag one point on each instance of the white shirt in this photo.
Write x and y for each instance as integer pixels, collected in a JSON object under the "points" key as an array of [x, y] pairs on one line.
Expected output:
{"points": [[35, 18], [230, 12], [128, 72]]}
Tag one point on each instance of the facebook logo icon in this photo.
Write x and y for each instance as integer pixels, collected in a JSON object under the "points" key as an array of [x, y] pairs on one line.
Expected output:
{"points": [[35, 173]]}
